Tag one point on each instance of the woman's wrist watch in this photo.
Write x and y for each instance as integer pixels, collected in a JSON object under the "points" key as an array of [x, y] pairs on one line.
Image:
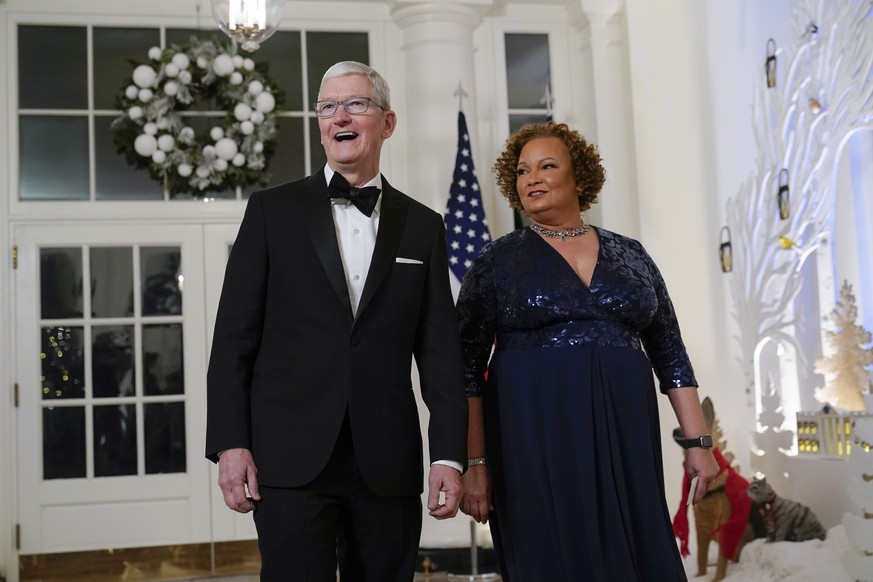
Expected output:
{"points": [[703, 441]]}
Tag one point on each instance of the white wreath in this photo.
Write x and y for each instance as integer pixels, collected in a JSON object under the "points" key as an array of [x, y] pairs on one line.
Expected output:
{"points": [[154, 135]]}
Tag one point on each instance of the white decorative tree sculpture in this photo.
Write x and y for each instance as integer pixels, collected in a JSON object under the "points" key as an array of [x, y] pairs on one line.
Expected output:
{"points": [[859, 528], [822, 95], [846, 376]]}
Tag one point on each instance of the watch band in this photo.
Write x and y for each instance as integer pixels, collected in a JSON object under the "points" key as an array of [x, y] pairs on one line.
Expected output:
{"points": [[703, 441]]}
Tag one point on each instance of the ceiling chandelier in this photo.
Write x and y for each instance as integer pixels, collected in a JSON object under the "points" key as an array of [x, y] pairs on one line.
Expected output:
{"points": [[248, 22]]}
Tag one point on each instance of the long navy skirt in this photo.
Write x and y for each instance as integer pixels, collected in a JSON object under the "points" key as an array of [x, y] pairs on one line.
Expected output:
{"points": [[575, 455]]}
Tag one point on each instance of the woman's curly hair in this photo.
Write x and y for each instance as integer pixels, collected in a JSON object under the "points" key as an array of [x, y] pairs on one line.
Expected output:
{"points": [[587, 168]]}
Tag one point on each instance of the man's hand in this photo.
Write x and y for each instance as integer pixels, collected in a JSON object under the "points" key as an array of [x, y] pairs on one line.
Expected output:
{"points": [[236, 471], [444, 479]]}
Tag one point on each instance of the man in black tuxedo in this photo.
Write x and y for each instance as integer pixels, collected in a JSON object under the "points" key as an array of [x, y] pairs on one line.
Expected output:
{"points": [[326, 300]]}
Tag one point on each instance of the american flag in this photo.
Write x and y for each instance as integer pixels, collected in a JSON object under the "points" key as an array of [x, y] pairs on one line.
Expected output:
{"points": [[466, 227]]}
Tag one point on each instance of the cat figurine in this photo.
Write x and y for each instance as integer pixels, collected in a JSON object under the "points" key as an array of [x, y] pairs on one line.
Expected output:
{"points": [[784, 519]]}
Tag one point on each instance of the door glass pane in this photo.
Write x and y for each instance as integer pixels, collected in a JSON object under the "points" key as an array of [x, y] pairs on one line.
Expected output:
{"points": [[52, 67], [282, 57], [163, 371], [63, 442], [527, 69], [115, 178], [111, 281], [63, 363], [317, 157], [54, 157], [114, 50], [60, 281], [327, 48], [165, 437], [114, 440], [516, 121], [161, 272], [288, 162], [112, 363]]}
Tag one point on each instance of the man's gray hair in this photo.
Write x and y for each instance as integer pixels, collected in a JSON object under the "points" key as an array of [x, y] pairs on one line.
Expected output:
{"points": [[381, 92]]}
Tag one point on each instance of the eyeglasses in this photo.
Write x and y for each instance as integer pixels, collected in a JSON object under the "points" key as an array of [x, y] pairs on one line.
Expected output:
{"points": [[353, 105]]}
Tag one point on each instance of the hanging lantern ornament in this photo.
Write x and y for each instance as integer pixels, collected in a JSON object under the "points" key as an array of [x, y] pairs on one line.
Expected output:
{"points": [[248, 22], [782, 196], [770, 63], [725, 252]]}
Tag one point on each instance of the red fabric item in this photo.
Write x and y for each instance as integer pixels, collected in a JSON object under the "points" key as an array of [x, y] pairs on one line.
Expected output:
{"points": [[729, 533]]}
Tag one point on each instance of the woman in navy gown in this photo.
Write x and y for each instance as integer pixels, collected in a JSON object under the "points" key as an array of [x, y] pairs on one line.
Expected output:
{"points": [[564, 439]]}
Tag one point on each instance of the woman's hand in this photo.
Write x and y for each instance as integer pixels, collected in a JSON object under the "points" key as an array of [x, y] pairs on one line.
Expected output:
{"points": [[701, 463], [477, 493]]}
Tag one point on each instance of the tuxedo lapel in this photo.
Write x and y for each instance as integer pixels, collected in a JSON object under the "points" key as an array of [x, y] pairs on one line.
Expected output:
{"points": [[319, 222], [392, 221]]}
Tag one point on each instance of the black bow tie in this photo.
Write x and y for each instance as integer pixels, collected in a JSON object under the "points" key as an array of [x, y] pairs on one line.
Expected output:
{"points": [[364, 199]]}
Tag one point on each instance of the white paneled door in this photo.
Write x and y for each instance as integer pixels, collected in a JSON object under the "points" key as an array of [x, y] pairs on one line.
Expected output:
{"points": [[112, 326]]}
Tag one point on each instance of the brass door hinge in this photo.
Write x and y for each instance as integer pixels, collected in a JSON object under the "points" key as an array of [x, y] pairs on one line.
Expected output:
{"points": [[14, 256], [15, 395], [17, 536]]}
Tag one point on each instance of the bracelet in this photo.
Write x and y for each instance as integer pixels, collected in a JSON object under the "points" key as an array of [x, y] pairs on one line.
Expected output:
{"points": [[476, 461]]}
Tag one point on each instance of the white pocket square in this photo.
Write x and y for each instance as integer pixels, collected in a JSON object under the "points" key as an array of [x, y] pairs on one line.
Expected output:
{"points": [[406, 261]]}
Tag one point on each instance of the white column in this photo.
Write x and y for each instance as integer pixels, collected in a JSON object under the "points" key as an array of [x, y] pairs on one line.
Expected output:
{"points": [[604, 37], [438, 54]]}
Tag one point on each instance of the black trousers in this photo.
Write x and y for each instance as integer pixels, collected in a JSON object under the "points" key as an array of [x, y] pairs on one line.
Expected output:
{"points": [[305, 533]]}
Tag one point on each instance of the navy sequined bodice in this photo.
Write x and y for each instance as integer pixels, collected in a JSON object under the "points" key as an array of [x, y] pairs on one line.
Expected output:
{"points": [[523, 292]]}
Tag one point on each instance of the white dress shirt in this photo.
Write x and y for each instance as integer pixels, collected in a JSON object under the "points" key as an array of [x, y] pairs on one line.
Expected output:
{"points": [[356, 236]]}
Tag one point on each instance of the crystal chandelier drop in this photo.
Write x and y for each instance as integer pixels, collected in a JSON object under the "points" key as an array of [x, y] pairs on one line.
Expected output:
{"points": [[248, 22]]}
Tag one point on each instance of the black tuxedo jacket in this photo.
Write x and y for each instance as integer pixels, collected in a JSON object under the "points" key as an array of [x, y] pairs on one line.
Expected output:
{"points": [[289, 358]]}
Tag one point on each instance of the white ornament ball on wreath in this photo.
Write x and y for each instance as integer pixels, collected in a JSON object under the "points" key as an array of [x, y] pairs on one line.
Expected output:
{"points": [[163, 123], [203, 172], [208, 151], [150, 128], [265, 102], [236, 78], [258, 147], [181, 60], [226, 149], [171, 70], [257, 118], [222, 65], [155, 53], [171, 89], [249, 65], [144, 76], [185, 77], [256, 88], [242, 111], [247, 127], [186, 134], [216, 133], [131, 91], [145, 95], [220, 165], [145, 145], [202, 63], [166, 142], [135, 112], [238, 61], [185, 170], [159, 157], [238, 160]]}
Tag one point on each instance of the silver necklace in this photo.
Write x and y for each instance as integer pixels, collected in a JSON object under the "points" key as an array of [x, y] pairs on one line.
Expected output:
{"points": [[561, 234]]}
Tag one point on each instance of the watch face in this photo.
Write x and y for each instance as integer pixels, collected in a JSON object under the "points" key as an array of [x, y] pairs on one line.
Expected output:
{"points": [[706, 441]]}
